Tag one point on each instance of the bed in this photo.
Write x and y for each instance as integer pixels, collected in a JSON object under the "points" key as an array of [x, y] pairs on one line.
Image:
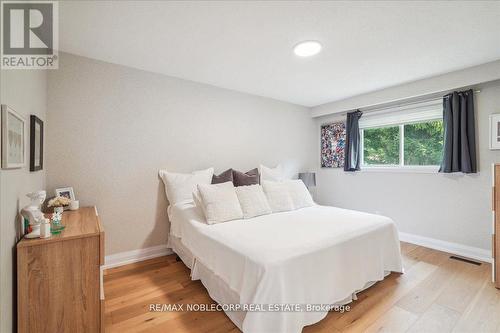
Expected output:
{"points": [[314, 255]]}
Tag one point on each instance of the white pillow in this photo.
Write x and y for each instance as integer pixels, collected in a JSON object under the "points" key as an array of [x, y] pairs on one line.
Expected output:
{"points": [[220, 202], [278, 196], [180, 186], [198, 202], [253, 201], [300, 194], [273, 174], [197, 199]]}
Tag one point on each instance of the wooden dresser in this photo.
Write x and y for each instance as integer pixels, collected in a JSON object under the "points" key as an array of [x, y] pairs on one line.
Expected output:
{"points": [[59, 280], [495, 244]]}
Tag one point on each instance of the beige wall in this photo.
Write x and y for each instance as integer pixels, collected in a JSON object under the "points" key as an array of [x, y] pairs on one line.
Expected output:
{"points": [[112, 128], [449, 207], [25, 91]]}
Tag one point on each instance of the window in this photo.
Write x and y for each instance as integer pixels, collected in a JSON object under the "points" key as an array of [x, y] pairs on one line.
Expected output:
{"points": [[381, 146], [410, 136]]}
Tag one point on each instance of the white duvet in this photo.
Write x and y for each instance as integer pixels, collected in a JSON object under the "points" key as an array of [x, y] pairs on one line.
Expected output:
{"points": [[314, 255]]}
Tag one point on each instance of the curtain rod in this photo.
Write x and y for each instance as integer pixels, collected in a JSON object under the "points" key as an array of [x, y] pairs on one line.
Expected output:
{"points": [[382, 108]]}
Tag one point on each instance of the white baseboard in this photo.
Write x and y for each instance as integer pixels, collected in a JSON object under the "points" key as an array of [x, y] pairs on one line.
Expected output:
{"points": [[453, 248], [129, 257]]}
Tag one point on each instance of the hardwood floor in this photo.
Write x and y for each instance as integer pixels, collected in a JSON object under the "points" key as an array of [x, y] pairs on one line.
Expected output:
{"points": [[436, 294]]}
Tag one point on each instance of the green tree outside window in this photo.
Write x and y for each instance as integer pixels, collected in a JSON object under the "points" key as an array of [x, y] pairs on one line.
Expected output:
{"points": [[422, 144]]}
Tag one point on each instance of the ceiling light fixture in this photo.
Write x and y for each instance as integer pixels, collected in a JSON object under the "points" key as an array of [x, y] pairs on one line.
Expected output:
{"points": [[307, 48]]}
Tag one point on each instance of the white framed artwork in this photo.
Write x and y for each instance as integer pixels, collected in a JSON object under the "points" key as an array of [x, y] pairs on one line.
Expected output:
{"points": [[13, 139], [495, 131], [66, 192]]}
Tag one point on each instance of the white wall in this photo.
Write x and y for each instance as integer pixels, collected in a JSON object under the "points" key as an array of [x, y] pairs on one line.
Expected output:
{"points": [[433, 86], [454, 207], [112, 128], [24, 91]]}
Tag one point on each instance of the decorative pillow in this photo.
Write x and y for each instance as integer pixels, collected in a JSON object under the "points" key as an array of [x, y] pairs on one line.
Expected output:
{"points": [[226, 176], [278, 196], [179, 186], [272, 174], [197, 199], [300, 194], [220, 202], [198, 202], [248, 178], [253, 201]]}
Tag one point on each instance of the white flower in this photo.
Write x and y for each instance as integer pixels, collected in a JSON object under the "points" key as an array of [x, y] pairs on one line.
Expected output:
{"points": [[59, 202]]}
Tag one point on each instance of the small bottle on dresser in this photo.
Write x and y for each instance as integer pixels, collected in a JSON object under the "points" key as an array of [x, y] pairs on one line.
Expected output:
{"points": [[45, 229]]}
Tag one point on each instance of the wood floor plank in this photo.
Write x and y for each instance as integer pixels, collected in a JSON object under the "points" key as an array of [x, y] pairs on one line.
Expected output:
{"points": [[366, 301], [137, 282], [483, 313], [150, 320], [463, 287], [135, 308], [359, 319], [146, 293], [394, 320], [430, 256], [434, 294], [195, 322], [437, 319], [141, 265], [137, 269], [420, 298], [407, 247]]}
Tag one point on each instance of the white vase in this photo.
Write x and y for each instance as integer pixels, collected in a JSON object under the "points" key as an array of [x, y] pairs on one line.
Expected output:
{"points": [[58, 209]]}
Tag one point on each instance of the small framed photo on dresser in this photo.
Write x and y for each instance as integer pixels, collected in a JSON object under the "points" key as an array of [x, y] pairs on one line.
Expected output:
{"points": [[66, 192], [36, 143], [495, 131]]}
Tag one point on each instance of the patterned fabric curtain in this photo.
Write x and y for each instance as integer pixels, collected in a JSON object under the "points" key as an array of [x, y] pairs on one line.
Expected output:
{"points": [[459, 151], [352, 144]]}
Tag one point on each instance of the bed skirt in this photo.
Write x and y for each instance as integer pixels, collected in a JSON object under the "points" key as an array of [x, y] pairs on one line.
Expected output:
{"points": [[218, 290]]}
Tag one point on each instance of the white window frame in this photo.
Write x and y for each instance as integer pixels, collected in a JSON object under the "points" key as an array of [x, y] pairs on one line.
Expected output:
{"points": [[400, 116]]}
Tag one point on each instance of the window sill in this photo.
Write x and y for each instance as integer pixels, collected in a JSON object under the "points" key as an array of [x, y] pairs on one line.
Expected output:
{"points": [[398, 169]]}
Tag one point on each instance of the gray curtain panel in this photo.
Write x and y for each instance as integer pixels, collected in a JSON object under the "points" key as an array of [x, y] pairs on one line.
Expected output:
{"points": [[352, 153], [459, 151]]}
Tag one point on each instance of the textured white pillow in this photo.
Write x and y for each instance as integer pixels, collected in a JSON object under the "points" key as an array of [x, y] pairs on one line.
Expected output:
{"points": [[300, 194], [197, 199], [272, 174], [253, 201], [220, 202], [198, 202], [278, 196], [180, 186]]}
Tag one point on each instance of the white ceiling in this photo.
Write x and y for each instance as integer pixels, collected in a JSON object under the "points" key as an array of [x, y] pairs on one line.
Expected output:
{"points": [[247, 46]]}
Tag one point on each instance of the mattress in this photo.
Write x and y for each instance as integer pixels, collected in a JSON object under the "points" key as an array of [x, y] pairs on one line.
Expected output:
{"points": [[314, 255]]}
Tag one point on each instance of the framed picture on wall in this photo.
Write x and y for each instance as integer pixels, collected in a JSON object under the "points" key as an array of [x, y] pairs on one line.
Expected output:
{"points": [[495, 131], [13, 145], [36, 143], [332, 145]]}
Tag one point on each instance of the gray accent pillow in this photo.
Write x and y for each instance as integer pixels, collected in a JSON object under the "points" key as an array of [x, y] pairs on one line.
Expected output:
{"points": [[226, 176], [248, 178]]}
